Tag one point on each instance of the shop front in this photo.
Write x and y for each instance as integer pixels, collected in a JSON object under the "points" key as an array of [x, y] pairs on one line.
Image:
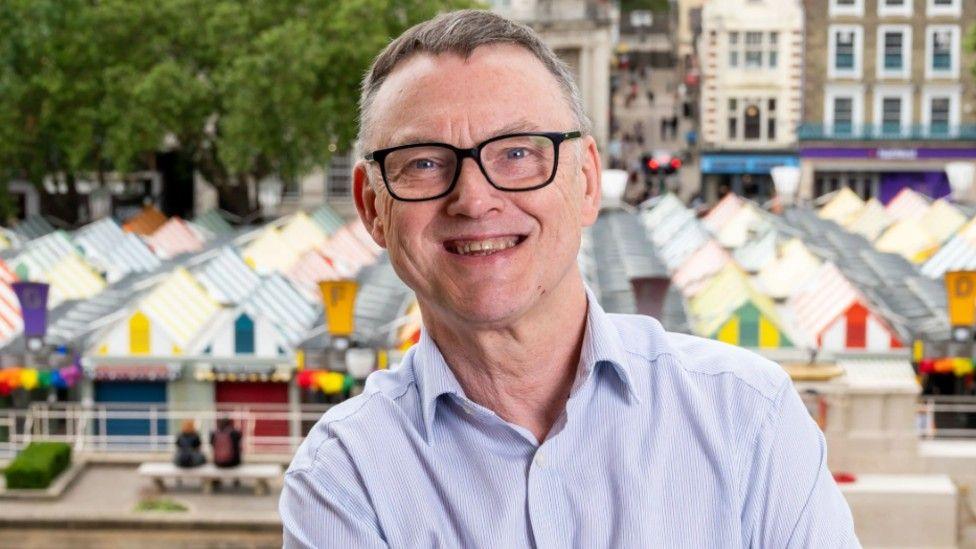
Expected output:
{"points": [[743, 173], [879, 172]]}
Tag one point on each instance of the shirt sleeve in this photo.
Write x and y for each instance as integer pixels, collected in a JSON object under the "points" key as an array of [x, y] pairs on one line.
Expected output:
{"points": [[792, 499], [315, 517]]}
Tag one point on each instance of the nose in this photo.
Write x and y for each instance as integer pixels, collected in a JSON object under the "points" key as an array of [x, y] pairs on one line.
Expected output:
{"points": [[473, 196]]}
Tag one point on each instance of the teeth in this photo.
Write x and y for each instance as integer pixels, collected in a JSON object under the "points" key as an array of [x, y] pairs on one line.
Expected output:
{"points": [[484, 247]]}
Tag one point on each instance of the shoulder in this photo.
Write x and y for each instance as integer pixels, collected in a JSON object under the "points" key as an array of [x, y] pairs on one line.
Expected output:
{"points": [[699, 361], [388, 393]]}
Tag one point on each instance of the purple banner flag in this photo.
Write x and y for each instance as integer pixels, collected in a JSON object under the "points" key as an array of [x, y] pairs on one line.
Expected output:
{"points": [[33, 306]]}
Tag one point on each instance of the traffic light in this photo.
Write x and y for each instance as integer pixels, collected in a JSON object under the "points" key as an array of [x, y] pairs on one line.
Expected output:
{"points": [[673, 165], [653, 166]]}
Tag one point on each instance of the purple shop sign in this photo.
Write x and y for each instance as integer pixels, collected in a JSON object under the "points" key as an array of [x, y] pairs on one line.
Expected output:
{"points": [[888, 153], [33, 307]]}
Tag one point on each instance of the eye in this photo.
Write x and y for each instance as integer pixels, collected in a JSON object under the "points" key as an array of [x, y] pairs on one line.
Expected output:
{"points": [[516, 153], [424, 164]]}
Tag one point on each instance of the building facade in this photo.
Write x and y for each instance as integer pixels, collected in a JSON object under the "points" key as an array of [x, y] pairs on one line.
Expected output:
{"points": [[888, 95], [751, 62]]}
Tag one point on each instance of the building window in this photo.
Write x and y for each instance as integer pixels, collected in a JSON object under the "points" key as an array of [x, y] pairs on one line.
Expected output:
{"points": [[844, 51], [892, 109], [733, 49], [894, 51], [940, 113], [843, 115], [339, 177], [942, 51], [846, 7], [733, 119], [944, 7], [773, 55], [771, 120], [754, 50], [751, 125], [891, 115], [902, 8], [844, 56]]}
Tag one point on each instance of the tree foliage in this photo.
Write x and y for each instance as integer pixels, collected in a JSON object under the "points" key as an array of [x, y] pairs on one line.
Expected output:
{"points": [[246, 88]]}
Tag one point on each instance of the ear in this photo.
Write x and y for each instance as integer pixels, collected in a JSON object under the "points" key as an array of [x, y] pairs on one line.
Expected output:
{"points": [[365, 197], [592, 172]]}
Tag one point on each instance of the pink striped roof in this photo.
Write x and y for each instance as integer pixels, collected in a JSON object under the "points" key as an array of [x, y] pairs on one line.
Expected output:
{"points": [[174, 238], [311, 268], [10, 318], [722, 212], [348, 249], [825, 298], [706, 261], [907, 204]]}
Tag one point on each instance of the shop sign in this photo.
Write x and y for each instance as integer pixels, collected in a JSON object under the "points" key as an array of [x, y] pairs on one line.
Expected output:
{"points": [[339, 298], [961, 294]]}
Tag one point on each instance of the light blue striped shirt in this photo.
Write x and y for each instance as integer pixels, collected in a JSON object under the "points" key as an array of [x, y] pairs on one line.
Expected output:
{"points": [[667, 440]]}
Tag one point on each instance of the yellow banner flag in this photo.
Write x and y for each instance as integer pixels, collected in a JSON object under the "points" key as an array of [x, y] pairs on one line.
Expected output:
{"points": [[339, 297], [961, 291]]}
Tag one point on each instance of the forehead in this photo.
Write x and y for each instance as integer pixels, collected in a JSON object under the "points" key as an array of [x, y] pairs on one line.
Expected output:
{"points": [[499, 88]]}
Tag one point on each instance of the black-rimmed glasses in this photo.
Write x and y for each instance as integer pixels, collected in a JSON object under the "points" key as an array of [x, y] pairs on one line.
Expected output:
{"points": [[514, 162]]}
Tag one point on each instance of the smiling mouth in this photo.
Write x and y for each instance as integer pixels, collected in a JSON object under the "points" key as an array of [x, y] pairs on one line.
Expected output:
{"points": [[485, 246]]}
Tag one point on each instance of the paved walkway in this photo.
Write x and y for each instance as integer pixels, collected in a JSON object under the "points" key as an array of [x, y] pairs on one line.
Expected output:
{"points": [[106, 496]]}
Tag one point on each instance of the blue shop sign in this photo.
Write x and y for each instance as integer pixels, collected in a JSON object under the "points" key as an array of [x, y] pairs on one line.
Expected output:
{"points": [[745, 163]]}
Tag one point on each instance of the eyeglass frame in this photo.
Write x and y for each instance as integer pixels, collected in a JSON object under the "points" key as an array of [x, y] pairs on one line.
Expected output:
{"points": [[474, 153]]}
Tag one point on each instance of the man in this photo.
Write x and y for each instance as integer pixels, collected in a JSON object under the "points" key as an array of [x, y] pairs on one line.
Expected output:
{"points": [[526, 416]]}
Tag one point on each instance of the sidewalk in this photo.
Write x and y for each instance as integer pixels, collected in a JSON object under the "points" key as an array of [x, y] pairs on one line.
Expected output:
{"points": [[105, 496]]}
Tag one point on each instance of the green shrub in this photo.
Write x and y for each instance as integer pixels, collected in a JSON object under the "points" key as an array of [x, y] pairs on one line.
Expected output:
{"points": [[37, 465]]}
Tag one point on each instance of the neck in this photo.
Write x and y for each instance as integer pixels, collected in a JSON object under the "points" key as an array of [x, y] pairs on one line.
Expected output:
{"points": [[524, 370]]}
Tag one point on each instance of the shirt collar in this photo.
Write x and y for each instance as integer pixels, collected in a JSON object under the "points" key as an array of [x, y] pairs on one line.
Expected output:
{"points": [[602, 345]]}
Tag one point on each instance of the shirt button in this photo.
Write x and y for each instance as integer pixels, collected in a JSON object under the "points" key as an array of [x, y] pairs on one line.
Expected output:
{"points": [[539, 462]]}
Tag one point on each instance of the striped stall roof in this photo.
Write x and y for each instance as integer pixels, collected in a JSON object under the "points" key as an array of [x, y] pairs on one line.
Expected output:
{"points": [[73, 278], [755, 253], [661, 209], [959, 254], [942, 220], [794, 266], [145, 222], [705, 262], [672, 225], [174, 237], [10, 319], [114, 251], [276, 299], [381, 300], [181, 305], [878, 373], [41, 255], [722, 212], [213, 222], [327, 219], [686, 241], [844, 204], [311, 268], [909, 239], [822, 300], [269, 252], [747, 222], [227, 278], [724, 294], [34, 226], [907, 204], [351, 248], [302, 233], [870, 221]]}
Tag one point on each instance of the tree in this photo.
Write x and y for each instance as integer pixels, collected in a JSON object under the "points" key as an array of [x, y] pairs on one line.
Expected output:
{"points": [[243, 88]]}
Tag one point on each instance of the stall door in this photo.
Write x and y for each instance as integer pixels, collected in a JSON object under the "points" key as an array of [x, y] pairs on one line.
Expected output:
{"points": [[138, 392], [231, 392]]}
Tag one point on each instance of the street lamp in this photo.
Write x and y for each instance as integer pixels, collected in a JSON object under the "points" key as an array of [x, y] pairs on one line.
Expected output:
{"points": [[961, 175], [786, 180]]}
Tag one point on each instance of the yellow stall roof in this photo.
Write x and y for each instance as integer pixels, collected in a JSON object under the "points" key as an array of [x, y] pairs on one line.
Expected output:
{"points": [[844, 204]]}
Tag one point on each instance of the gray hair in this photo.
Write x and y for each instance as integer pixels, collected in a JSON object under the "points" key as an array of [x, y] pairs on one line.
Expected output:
{"points": [[460, 33]]}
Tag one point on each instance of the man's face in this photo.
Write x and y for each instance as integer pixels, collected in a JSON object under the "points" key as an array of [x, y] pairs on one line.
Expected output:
{"points": [[534, 235]]}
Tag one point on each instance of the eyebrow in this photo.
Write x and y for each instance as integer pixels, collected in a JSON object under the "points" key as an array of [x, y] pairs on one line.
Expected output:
{"points": [[410, 138]]}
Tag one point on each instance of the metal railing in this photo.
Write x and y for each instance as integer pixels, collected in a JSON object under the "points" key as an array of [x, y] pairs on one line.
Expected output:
{"points": [[140, 428], [882, 132], [947, 417]]}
